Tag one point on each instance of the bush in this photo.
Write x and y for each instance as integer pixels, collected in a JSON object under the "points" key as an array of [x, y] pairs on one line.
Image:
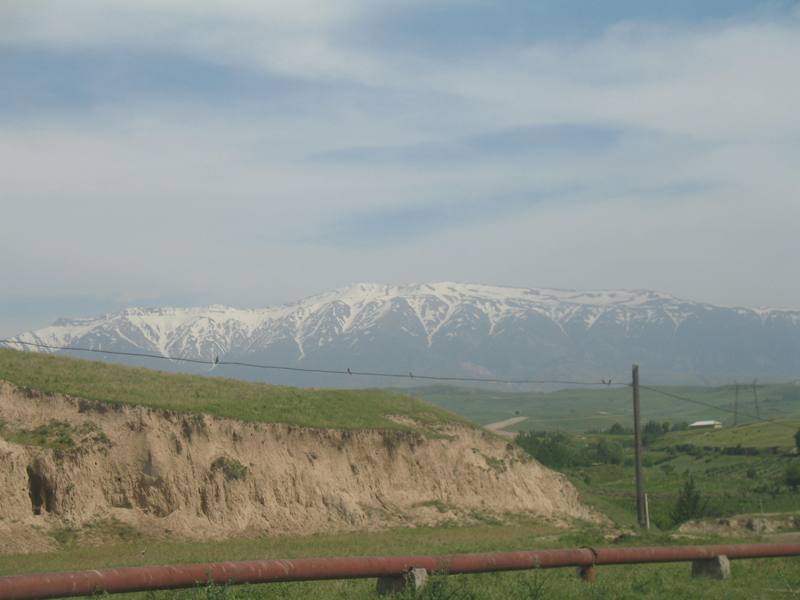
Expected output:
{"points": [[617, 429], [231, 468], [652, 431], [690, 504], [608, 452], [553, 449], [792, 476]]}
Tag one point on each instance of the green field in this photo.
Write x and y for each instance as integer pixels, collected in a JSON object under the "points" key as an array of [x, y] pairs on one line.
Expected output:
{"points": [[583, 409], [738, 470], [671, 581], [336, 409], [753, 435]]}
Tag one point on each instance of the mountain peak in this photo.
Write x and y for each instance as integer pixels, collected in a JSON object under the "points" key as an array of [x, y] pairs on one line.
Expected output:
{"points": [[458, 328]]}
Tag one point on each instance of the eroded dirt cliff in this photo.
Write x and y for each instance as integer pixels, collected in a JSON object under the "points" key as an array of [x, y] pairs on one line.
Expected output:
{"points": [[68, 462]]}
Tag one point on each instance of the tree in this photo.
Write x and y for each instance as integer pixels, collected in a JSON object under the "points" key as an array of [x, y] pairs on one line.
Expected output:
{"points": [[653, 428], [616, 429], [665, 427], [551, 448], [652, 431], [797, 440], [792, 476], [690, 504], [608, 452]]}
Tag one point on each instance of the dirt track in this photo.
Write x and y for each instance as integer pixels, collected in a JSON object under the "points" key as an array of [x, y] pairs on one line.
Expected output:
{"points": [[499, 427]]}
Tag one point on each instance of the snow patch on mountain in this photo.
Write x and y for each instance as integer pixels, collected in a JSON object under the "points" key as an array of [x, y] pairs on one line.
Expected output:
{"points": [[431, 317]]}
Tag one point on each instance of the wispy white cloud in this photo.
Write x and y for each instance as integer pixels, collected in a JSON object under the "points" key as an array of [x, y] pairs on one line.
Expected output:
{"points": [[655, 154]]}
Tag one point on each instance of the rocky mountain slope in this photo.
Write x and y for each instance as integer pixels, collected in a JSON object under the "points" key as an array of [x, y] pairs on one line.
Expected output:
{"points": [[462, 329]]}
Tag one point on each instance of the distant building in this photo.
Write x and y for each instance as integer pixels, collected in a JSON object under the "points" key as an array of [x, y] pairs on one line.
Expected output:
{"points": [[705, 425]]}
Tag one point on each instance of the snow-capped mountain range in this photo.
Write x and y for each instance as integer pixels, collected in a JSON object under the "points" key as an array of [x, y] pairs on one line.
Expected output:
{"points": [[460, 329]]}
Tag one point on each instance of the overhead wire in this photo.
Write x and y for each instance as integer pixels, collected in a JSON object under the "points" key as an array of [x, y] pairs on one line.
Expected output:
{"points": [[410, 375], [714, 406], [379, 374]]}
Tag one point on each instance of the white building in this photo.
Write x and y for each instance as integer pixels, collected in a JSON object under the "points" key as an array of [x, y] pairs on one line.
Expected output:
{"points": [[705, 425]]}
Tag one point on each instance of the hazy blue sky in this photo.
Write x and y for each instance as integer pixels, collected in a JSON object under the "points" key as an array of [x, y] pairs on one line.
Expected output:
{"points": [[249, 153]]}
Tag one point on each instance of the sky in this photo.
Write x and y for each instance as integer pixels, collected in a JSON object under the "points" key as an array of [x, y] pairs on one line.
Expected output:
{"points": [[254, 152]]}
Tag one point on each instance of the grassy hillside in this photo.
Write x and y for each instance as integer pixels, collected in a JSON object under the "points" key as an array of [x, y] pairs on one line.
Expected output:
{"points": [[338, 409], [737, 471], [599, 408], [754, 435]]}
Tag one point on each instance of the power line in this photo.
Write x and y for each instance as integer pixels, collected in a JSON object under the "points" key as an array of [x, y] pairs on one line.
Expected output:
{"points": [[722, 408], [379, 374], [409, 375]]}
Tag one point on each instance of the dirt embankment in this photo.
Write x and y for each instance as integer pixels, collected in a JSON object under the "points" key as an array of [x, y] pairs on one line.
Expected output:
{"points": [[67, 462]]}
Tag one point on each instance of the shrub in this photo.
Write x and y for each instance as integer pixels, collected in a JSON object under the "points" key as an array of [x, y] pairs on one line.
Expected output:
{"points": [[792, 476], [652, 431], [553, 449], [608, 452], [690, 504], [231, 468], [617, 429]]}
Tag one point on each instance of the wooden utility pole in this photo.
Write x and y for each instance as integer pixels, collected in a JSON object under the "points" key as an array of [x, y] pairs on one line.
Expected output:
{"points": [[637, 440], [755, 398]]}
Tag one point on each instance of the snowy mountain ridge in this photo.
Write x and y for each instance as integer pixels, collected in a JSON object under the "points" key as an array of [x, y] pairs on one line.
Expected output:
{"points": [[454, 325]]}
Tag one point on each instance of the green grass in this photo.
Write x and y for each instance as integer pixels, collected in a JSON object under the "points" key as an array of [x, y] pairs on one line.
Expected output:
{"points": [[519, 534], [730, 483], [733, 484], [599, 408], [753, 435], [56, 435], [324, 408], [751, 579], [722, 480]]}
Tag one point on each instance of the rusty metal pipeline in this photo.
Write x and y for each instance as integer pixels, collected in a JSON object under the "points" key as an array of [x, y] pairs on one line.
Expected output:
{"points": [[137, 579]]}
